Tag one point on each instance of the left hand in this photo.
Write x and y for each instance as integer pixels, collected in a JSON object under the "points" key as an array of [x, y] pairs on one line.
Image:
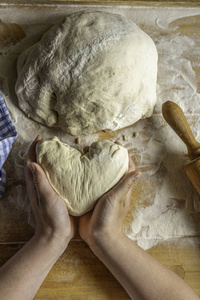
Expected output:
{"points": [[52, 218], [104, 223]]}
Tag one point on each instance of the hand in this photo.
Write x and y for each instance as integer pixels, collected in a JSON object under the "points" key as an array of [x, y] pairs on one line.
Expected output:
{"points": [[50, 211], [105, 222]]}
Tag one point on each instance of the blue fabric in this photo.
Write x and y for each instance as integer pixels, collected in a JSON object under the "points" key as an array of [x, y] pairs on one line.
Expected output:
{"points": [[8, 135]]}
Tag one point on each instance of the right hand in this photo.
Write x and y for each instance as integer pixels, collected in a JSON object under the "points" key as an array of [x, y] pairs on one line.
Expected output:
{"points": [[50, 211], [105, 221]]}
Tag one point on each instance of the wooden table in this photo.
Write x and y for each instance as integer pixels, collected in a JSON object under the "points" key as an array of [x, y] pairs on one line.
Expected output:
{"points": [[78, 274], [161, 3]]}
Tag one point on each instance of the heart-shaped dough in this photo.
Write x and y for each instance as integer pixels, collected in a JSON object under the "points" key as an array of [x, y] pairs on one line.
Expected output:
{"points": [[81, 179]]}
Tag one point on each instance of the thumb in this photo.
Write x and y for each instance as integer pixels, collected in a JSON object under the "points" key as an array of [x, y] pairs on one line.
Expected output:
{"points": [[122, 188], [41, 183]]}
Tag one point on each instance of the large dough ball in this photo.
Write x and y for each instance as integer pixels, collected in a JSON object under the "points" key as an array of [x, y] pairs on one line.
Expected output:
{"points": [[81, 179], [93, 71]]}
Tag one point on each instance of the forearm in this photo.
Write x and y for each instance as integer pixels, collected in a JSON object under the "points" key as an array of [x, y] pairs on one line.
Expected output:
{"points": [[142, 276], [22, 275]]}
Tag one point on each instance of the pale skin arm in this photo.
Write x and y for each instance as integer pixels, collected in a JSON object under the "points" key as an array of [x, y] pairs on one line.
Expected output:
{"points": [[22, 275], [142, 276]]}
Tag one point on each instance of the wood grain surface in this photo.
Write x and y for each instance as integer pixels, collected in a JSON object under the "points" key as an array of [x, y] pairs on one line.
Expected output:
{"points": [[161, 3], [78, 274]]}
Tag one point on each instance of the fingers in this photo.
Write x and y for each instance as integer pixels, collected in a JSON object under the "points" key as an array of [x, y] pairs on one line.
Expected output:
{"points": [[125, 184], [31, 156], [41, 183], [121, 189], [131, 165]]}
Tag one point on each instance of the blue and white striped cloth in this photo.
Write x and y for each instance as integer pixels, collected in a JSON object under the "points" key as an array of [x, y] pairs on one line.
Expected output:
{"points": [[8, 135]]}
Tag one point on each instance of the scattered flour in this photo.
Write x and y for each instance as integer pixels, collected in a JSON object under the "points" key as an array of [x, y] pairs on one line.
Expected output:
{"points": [[161, 223], [167, 206]]}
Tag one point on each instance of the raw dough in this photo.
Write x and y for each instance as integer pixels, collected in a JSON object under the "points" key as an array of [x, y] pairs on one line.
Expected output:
{"points": [[81, 179], [95, 70]]}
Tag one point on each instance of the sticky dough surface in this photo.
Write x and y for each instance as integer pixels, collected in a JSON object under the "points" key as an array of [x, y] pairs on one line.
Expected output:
{"points": [[81, 179], [94, 71]]}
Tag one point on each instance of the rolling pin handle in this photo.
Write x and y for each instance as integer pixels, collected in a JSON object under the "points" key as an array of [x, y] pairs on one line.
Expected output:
{"points": [[175, 117]]}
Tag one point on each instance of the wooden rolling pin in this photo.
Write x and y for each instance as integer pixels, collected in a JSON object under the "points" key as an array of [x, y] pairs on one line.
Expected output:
{"points": [[175, 117]]}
